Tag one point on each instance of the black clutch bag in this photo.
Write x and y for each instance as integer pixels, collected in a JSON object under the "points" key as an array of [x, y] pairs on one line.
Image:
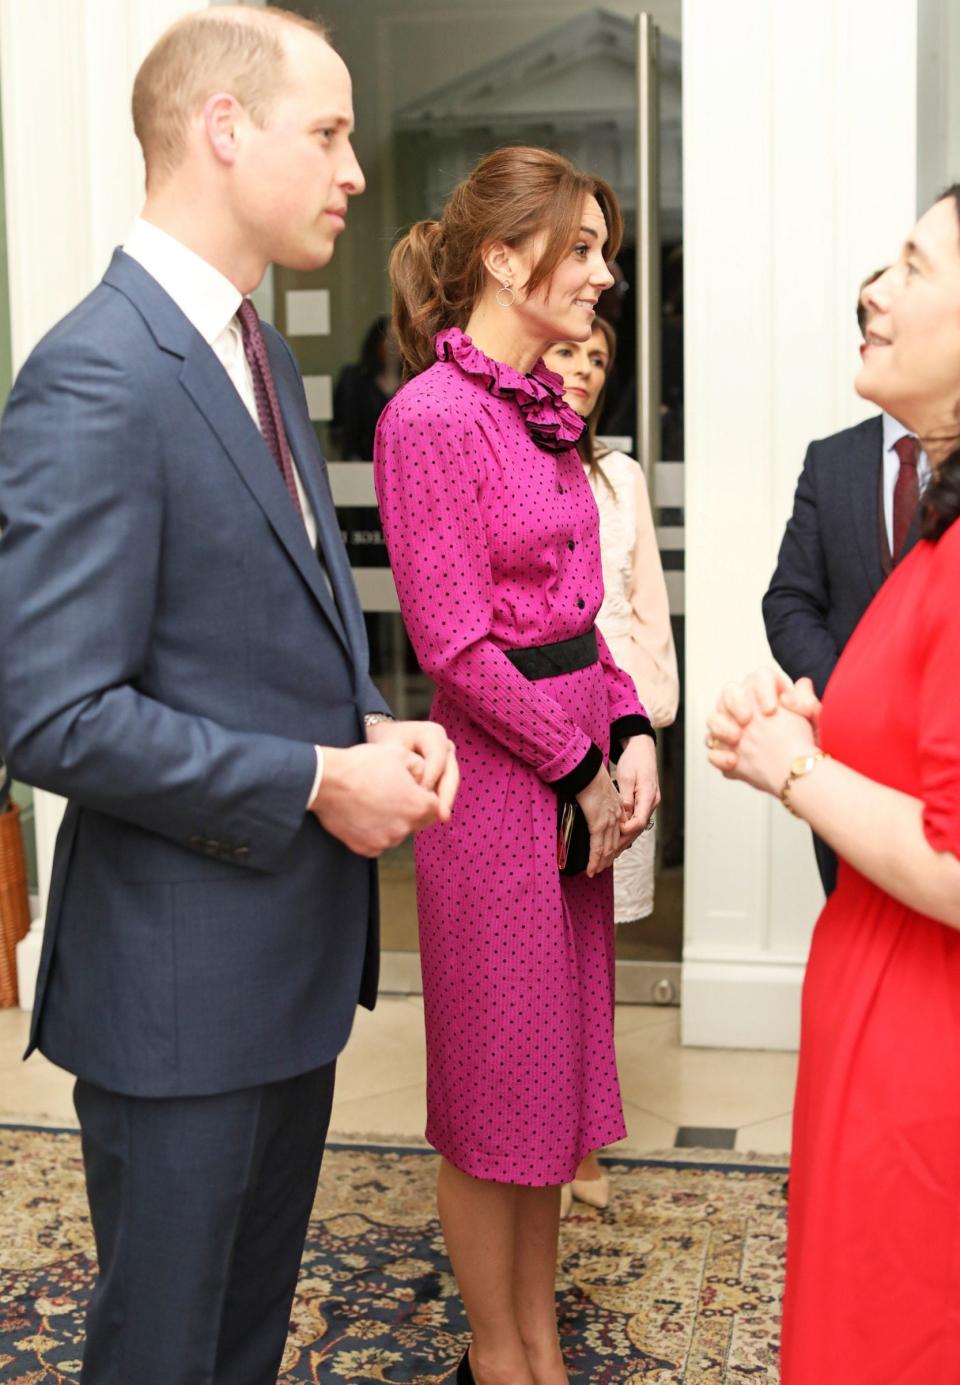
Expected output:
{"points": [[573, 838]]}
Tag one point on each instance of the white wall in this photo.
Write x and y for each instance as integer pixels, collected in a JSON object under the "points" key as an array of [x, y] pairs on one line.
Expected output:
{"points": [[73, 184], [938, 98], [799, 179]]}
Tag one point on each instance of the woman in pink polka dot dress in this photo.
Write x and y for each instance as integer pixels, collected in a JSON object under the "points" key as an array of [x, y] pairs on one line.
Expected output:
{"points": [[493, 537]]}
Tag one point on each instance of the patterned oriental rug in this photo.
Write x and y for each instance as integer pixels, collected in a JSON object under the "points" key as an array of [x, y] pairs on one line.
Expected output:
{"points": [[678, 1283]]}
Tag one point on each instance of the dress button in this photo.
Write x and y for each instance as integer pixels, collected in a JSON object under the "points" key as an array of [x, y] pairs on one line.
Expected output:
{"points": [[571, 545], [581, 603]]}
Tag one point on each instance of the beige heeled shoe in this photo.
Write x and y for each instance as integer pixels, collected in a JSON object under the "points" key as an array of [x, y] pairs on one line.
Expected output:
{"points": [[595, 1192]]}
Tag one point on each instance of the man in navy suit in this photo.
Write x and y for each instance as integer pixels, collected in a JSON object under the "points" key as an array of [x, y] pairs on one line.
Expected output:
{"points": [[185, 661], [840, 543]]}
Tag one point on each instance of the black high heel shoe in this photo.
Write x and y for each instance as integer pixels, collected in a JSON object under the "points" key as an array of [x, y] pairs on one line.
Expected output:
{"points": [[464, 1373]]}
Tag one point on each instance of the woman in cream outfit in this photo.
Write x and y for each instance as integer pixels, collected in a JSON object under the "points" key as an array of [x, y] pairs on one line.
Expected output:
{"points": [[634, 618]]}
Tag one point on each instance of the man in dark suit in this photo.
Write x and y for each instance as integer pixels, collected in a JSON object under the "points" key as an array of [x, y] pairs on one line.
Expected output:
{"points": [[185, 661], [855, 515]]}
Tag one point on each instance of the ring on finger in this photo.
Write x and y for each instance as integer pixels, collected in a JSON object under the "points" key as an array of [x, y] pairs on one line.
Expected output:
{"points": [[713, 743]]}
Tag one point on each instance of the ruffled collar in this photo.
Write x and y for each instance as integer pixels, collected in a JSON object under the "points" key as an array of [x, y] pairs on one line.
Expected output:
{"points": [[549, 419]]}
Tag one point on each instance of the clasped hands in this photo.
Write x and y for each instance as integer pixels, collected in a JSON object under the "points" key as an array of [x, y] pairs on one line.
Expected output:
{"points": [[403, 779], [760, 726], [617, 813]]}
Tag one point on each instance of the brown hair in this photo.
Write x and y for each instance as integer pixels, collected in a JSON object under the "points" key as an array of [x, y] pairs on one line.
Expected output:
{"points": [[203, 53], [587, 445], [437, 269]]}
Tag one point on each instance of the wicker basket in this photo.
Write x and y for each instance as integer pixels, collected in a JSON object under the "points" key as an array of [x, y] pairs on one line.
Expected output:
{"points": [[14, 905]]}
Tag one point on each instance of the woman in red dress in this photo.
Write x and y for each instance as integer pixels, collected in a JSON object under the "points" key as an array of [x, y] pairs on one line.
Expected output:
{"points": [[873, 1251]]}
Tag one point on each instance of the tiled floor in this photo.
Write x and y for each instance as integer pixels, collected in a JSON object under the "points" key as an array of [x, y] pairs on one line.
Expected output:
{"points": [[380, 1087]]}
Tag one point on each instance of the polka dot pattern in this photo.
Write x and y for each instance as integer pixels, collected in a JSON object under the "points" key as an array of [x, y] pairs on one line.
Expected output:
{"points": [[494, 545]]}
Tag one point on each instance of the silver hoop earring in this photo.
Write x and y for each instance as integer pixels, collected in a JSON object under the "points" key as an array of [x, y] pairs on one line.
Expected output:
{"points": [[505, 288]]}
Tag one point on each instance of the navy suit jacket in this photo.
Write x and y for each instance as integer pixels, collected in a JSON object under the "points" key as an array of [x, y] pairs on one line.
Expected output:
{"points": [[832, 560], [171, 653]]}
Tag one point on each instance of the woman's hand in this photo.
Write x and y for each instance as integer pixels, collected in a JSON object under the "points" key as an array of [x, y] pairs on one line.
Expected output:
{"points": [[639, 788], [601, 808], [802, 699], [753, 736], [762, 693]]}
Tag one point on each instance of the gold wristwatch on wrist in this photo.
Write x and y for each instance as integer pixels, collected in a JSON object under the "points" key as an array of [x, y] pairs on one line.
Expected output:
{"points": [[799, 767]]}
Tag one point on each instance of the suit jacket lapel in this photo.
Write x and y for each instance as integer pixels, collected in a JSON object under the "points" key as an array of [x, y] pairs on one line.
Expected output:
{"points": [[209, 386], [313, 475], [865, 480]]}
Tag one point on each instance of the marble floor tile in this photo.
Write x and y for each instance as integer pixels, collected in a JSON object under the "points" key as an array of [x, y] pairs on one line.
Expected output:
{"points": [[766, 1137], [402, 1112], [628, 1019], [645, 1132], [386, 1050], [14, 1031], [37, 1091], [381, 1080], [704, 1086]]}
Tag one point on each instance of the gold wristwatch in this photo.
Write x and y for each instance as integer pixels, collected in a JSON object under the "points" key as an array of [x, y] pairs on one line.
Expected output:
{"points": [[799, 767]]}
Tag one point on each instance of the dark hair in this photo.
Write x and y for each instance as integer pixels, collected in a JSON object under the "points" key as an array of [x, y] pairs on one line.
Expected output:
{"points": [[437, 269], [941, 497], [376, 335], [861, 310], [590, 450]]}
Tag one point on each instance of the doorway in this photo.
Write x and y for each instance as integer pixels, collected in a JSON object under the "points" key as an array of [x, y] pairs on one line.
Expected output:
{"points": [[436, 85]]}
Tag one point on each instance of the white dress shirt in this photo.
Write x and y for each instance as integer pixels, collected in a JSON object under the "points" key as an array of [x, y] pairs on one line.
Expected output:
{"points": [[892, 433], [209, 301]]}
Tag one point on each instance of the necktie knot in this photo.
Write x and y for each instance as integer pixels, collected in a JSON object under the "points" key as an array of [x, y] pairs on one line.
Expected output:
{"points": [[249, 320], [907, 449]]}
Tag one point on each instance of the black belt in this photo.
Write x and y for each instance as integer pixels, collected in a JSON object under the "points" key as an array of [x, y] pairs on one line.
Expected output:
{"points": [[547, 660]]}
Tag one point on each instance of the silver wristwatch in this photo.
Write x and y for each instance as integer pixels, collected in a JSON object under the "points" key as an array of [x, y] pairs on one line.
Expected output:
{"points": [[373, 718]]}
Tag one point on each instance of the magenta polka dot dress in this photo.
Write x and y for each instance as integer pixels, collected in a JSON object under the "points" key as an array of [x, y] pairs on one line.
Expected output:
{"points": [[493, 537]]}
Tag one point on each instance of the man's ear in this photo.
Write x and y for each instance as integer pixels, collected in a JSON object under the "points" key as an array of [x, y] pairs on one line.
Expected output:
{"points": [[222, 120]]}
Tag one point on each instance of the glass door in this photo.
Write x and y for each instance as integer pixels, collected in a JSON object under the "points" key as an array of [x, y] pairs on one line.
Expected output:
{"points": [[436, 85]]}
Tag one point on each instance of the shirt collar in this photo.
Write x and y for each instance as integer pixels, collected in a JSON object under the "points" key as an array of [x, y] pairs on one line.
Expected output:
{"points": [[205, 297], [893, 431]]}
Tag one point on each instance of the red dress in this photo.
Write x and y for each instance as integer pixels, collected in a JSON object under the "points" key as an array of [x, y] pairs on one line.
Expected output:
{"points": [[873, 1253]]}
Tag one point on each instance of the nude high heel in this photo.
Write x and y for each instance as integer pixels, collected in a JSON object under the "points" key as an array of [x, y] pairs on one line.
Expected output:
{"points": [[595, 1192]]}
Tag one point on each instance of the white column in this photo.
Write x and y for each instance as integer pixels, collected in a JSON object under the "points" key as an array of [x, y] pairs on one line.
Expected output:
{"points": [[800, 156], [73, 184]]}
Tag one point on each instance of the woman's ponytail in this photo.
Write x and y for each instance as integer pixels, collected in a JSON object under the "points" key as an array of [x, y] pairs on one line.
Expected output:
{"points": [[419, 306]]}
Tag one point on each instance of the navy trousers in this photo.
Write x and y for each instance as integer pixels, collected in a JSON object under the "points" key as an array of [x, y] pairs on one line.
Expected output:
{"points": [[200, 1208]]}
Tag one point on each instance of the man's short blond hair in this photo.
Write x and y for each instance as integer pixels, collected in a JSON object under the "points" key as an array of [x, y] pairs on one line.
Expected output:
{"points": [[203, 53]]}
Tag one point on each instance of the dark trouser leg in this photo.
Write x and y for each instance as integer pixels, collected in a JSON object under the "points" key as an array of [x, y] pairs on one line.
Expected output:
{"points": [[266, 1257], [826, 865], [176, 1187]]}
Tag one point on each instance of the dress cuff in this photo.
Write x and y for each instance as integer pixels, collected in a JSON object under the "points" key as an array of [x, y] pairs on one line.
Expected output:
{"points": [[624, 727], [580, 776]]}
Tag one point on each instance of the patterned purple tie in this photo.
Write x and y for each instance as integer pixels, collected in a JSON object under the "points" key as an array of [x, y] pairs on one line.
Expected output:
{"points": [[265, 393]]}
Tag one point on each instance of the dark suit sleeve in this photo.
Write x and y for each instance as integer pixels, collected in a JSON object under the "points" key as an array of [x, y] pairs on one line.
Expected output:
{"points": [[797, 601], [82, 514]]}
